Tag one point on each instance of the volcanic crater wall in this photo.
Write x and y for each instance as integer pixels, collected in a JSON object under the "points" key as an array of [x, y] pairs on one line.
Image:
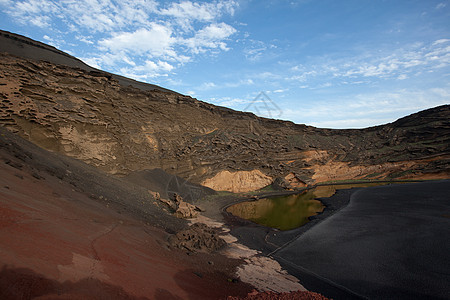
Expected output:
{"points": [[120, 129]]}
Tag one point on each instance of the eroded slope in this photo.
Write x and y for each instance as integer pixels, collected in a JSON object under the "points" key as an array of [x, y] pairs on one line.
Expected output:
{"points": [[120, 129]]}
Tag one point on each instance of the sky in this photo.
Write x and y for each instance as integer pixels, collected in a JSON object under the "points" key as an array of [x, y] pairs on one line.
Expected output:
{"points": [[332, 64]]}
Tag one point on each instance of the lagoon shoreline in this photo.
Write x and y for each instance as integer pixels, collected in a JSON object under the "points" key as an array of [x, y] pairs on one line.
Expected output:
{"points": [[407, 213]]}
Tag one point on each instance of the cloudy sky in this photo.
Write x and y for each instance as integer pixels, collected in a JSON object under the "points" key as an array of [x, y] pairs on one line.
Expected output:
{"points": [[336, 64]]}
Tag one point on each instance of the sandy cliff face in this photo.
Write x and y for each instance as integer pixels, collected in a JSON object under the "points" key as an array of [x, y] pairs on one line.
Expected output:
{"points": [[93, 117], [237, 182]]}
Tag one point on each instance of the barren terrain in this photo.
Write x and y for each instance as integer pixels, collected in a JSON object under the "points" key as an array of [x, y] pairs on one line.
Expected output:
{"points": [[97, 118], [86, 156]]}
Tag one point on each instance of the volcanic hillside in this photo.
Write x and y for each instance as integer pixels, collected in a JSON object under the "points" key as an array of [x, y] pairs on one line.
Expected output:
{"points": [[122, 127]]}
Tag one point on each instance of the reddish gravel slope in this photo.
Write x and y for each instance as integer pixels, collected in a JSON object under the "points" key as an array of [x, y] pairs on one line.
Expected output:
{"points": [[59, 243]]}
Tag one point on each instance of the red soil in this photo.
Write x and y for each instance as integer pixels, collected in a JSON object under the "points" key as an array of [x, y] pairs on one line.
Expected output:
{"points": [[299, 295], [58, 243]]}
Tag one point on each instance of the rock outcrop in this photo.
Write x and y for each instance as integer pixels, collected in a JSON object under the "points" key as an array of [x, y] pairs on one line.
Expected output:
{"points": [[180, 208], [197, 238], [97, 118], [184, 209], [239, 181]]}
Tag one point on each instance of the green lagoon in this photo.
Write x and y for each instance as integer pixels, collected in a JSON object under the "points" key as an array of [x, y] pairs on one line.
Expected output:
{"points": [[289, 212]]}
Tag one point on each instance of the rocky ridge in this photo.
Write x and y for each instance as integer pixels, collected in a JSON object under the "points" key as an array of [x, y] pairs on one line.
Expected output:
{"points": [[95, 117]]}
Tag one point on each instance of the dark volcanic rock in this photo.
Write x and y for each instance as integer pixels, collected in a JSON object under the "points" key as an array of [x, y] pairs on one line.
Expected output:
{"points": [[197, 238], [64, 106]]}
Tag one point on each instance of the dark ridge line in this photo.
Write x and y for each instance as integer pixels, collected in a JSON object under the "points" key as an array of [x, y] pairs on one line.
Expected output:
{"points": [[224, 111], [125, 81], [31, 42]]}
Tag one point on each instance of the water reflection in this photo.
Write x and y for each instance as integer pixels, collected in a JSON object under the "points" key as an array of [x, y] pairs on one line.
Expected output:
{"points": [[288, 212], [284, 213]]}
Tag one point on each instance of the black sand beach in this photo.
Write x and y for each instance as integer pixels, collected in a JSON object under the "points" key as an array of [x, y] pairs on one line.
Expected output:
{"points": [[385, 242], [390, 242]]}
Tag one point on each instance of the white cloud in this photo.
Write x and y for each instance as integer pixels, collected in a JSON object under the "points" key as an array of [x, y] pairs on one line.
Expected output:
{"points": [[435, 55], [212, 36], [397, 64], [36, 6], [131, 32], [232, 102], [108, 59], [150, 69], [441, 41], [351, 123], [33, 12], [156, 41], [239, 83], [368, 109], [85, 39], [92, 61], [53, 42], [215, 32], [111, 15], [255, 50], [106, 15], [207, 86], [186, 12], [266, 75], [158, 66], [303, 76], [211, 85]]}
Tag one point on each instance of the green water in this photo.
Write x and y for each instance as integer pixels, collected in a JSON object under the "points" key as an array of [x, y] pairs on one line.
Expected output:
{"points": [[288, 212]]}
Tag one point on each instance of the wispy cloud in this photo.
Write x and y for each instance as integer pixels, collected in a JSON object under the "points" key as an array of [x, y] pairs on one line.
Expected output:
{"points": [[186, 12], [212, 36], [231, 84], [85, 39], [207, 86], [35, 12], [162, 33], [367, 109], [441, 5], [280, 90], [203, 47], [351, 123], [254, 49], [397, 64], [238, 83], [231, 102]]}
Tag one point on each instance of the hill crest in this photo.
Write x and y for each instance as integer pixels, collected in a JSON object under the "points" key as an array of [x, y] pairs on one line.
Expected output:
{"points": [[120, 128]]}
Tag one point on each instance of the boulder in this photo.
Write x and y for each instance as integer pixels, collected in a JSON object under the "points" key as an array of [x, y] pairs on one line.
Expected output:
{"points": [[197, 238], [181, 208], [186, 210]]}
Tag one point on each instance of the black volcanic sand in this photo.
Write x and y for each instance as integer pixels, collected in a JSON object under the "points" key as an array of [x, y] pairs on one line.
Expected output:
{"points": [[389, 242], [121, 195], [266, 239]]}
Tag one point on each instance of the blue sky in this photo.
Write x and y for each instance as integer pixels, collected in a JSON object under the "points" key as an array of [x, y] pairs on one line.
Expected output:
{"points": [[335, 64]]}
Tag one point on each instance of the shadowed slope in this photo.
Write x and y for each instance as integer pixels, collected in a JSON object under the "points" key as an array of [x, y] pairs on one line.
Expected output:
{"points": [[70, 232]]}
